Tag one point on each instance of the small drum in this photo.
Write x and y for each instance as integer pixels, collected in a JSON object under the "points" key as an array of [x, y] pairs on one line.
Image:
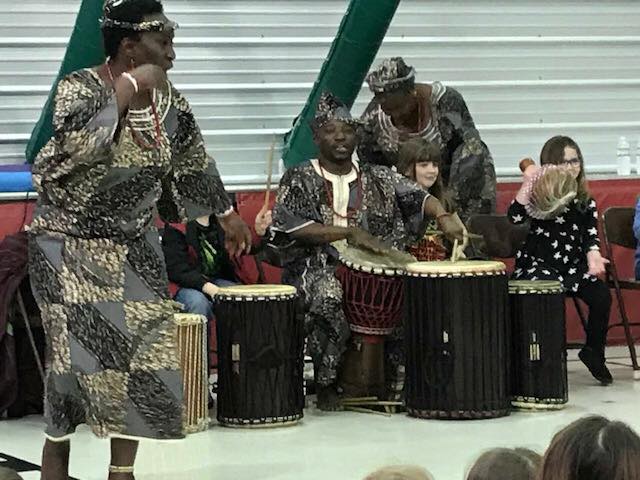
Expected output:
{"points": [[372, 294], [260, 355], [192, 349], [539, 371], [457, 347]]}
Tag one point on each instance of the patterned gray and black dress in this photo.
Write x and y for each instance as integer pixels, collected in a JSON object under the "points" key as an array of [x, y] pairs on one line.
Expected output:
{"points": [[96, 264]]}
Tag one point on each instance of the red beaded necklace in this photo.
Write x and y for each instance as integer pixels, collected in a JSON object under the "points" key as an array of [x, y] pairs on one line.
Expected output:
{"points": [[156, 120], [350, 212]]}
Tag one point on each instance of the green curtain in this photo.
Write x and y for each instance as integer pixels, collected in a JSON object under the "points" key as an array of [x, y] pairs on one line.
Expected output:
{"points": [[355, 47], [359, 37], [84, 50]]}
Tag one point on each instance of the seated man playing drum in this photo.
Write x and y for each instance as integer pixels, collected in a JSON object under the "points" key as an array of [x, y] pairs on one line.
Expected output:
{"points": [[333, 199]]}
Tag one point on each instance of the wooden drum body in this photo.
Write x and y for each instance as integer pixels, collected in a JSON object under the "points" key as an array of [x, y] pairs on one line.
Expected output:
{"points": [[372, 297], [456, 338], [192, 351], [362, 373], [261, 356], [372, 301], [539, 369]]}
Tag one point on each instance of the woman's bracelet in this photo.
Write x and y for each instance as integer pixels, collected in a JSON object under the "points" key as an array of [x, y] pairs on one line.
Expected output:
{"points": [[226, 213]]}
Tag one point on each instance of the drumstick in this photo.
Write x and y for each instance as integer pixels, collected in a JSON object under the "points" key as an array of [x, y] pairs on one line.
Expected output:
{"points": [[267, 194], [470, 236], [454, 252], [366, 410], [382, 403], [525, 163], [359, 399]]}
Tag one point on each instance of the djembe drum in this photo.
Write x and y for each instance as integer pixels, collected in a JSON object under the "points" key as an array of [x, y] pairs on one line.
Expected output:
{"points": [[539, 366], [260, 355], [192, 351], [456, 337], [372, 299]]}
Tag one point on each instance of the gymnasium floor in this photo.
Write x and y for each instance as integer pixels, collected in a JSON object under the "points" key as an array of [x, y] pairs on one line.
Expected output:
{"points": [[339, 445]]}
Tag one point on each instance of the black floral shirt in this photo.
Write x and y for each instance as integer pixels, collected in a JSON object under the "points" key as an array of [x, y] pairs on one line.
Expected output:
{"points": [[389, 206]]}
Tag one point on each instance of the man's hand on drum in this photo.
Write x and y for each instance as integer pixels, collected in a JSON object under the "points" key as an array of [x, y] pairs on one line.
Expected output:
{"points": [[453, 228], [237, 234], [364, 240]]}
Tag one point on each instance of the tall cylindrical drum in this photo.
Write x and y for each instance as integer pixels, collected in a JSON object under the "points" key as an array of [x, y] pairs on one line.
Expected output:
{"points": [[261, 356], [457, 340]]}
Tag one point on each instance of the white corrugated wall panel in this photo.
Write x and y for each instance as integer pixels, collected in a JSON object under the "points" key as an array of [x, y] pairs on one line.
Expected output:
{"points": [[528, 69]]}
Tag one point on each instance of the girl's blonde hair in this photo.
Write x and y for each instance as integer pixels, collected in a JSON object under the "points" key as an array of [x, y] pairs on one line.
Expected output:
{"points": [[553, 153]]}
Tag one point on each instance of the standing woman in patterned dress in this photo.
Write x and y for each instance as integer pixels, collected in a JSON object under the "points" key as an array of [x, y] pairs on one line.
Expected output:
{"points": [[567, 248], [125, 146]]}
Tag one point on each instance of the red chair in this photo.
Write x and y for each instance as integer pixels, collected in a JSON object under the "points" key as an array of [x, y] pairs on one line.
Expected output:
{"points": [[618, 230]]}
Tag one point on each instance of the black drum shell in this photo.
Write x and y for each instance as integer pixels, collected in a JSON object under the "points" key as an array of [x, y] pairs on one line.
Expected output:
{"points": [[457, 346], [261, 360]]}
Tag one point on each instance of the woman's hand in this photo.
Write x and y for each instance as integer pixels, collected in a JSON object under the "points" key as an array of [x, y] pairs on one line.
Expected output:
{"points": [[237, 236], [597, 263]]}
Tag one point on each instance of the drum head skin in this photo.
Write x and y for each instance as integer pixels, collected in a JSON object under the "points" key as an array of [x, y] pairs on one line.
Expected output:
{"points": [[453, 269], [189, 319], [256, 291], [391, 262], [535, 286]]}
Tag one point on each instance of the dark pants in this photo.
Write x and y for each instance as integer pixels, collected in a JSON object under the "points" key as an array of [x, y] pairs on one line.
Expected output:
{"points": [[598, 298]]}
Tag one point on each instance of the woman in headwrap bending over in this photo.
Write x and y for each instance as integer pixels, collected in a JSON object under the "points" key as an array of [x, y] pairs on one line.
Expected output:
{"points": [[403, 109]]}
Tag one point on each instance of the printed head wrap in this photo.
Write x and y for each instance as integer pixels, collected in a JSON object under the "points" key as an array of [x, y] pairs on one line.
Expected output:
{"points": [[331, 108], [153, 26], [392, 75]]}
